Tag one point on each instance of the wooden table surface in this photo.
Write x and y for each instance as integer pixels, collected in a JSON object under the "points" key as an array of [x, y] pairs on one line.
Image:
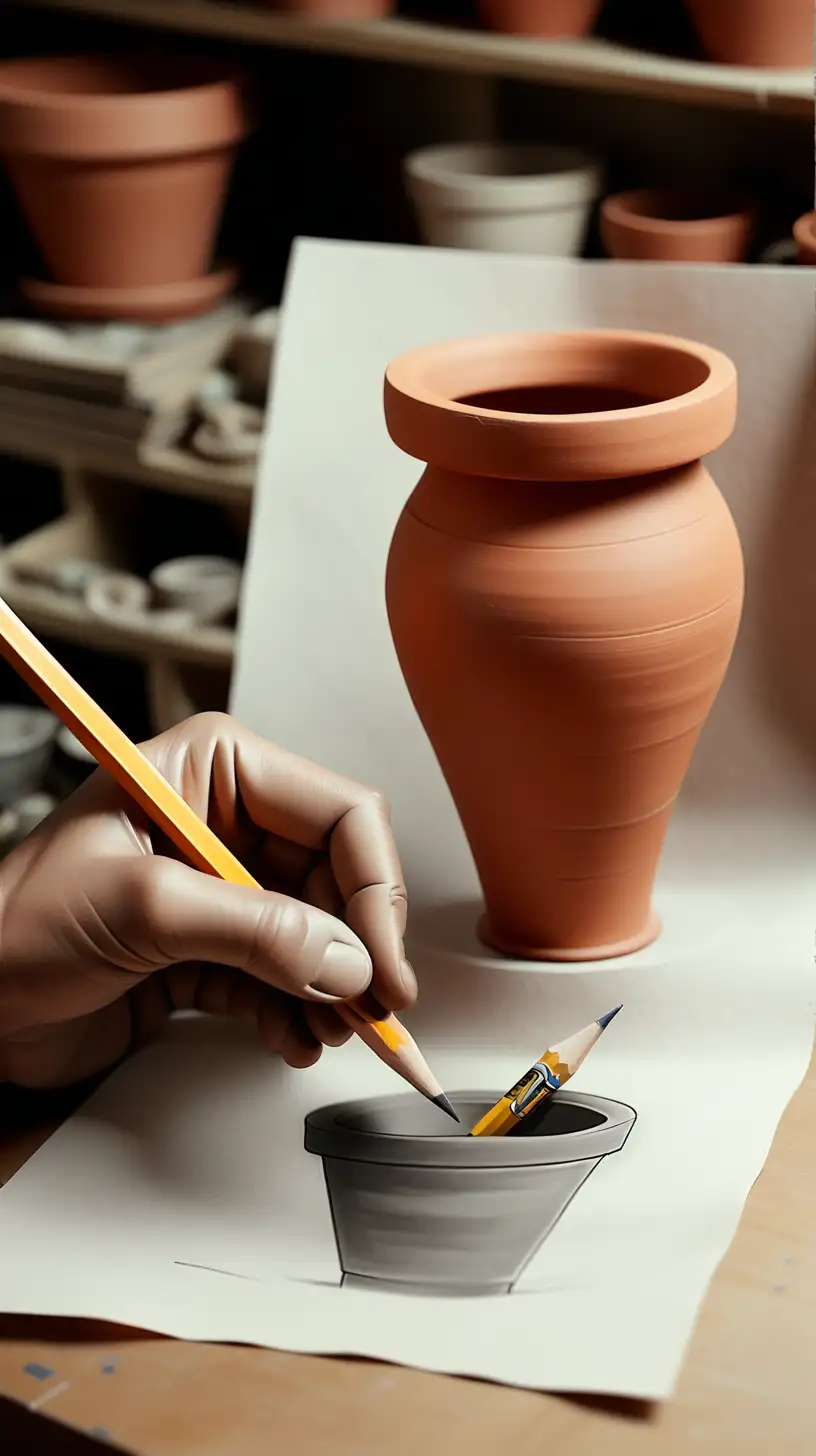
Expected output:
{"points": [[748, 1386]]}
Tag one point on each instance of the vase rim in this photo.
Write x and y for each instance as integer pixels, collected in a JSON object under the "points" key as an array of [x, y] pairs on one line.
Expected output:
{"points": [[686, 396]]}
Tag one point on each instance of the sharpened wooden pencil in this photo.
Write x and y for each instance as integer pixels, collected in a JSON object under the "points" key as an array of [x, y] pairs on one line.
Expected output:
{"points": [[126, 763]]}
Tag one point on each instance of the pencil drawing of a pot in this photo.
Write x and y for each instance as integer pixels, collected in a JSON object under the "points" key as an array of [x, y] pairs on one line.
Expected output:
{"points": [[420, 1210], [564, 589]]}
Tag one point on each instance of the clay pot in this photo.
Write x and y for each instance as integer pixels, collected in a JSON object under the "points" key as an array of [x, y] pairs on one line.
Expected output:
{"points": [[564, 589], [804, 233], [547, 19], [335, 9], [504, 198], [773, 33], [677, 227], [121, 167]]}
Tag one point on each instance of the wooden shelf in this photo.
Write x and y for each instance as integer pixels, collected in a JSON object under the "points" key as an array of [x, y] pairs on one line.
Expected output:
{"points": [[174, 470], [55, 614], [588, 64]]}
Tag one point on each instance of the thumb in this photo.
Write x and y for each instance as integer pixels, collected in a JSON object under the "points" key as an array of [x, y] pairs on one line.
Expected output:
{"points": [[169, 912]]}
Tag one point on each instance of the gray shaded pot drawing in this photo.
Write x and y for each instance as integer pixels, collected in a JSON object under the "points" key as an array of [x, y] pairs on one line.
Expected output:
{"points": [[420, 1209]]}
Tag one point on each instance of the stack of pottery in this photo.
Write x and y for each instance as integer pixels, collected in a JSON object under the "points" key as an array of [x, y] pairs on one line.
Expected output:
{"points": [[121, 167], [767, 33], [546, 19], [677, 227], [564, 589], [504, 198]]}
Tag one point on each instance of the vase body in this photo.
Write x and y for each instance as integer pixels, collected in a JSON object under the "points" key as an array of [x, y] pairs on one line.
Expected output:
{"points": [[675, 227], [563, 639], [546, 19], [772, 33], [121, 166]]}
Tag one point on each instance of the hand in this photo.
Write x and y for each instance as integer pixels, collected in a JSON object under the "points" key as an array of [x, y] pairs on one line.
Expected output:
{"points": [[105, 931]]}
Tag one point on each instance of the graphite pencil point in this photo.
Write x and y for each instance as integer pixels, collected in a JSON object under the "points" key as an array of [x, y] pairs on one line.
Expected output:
{"points": [[603, 1021], [446, 1105]]}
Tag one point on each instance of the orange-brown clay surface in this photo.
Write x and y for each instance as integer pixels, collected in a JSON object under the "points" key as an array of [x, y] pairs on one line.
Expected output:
{"points": [[552, 19], [676, 227], [773, 33]]}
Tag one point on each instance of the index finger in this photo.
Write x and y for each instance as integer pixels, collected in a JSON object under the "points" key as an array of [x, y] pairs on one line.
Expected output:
{"points": [[311, 806], [369, 876]]}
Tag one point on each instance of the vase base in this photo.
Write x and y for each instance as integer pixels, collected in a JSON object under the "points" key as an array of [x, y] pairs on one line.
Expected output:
{"points": [[154, 304], [570, 954]]}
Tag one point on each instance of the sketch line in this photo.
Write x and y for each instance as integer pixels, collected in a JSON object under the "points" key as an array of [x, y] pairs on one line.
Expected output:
{"points": [[211, 1269]]}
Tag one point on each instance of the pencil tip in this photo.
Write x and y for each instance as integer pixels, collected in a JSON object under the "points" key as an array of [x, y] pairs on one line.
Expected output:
{"points": [[446, 1105], [603, 1021]]}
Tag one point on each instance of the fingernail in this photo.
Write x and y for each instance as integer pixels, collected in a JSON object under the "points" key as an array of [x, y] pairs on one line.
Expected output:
{"points": [[409, 980], [346, 971]]}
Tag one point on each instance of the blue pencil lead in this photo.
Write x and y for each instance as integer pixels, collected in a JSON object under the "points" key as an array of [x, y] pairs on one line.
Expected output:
{"points": [[603, 1021]]}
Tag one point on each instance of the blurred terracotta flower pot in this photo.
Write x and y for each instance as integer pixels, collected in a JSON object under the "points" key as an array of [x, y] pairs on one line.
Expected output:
{"points": [[804, 233], [547, 19], [121, 165], [335, 9], [564, 589], [676, 227], [774, 33]]}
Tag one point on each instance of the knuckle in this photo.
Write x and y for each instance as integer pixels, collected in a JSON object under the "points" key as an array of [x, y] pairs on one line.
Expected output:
{"points": [[151, 891], [381, 802]]}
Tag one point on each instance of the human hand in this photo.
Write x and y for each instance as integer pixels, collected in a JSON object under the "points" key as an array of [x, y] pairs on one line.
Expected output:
{"points": [[105, 931]]}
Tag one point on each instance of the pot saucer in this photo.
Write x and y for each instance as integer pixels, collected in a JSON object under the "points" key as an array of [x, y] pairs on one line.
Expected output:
{"points": [[155, 304]]}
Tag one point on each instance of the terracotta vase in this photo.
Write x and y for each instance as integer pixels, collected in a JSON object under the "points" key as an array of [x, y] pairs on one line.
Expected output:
{"points": [[772, 33], [547, 19], [121, 167], [677, 227], [564, 589], [804, 233]]}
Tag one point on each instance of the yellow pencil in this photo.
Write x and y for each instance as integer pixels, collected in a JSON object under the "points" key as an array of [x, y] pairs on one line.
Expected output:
{"points": [[547, 1076], [126, 763]]}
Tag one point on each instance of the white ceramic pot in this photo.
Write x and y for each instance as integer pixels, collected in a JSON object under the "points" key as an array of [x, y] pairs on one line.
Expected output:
{"points": [[504, 198], [26, 743], [206, 586]]}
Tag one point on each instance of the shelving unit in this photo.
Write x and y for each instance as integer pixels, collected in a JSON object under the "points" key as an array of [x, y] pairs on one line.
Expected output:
{"points": [[184, 669], [586, 64]]}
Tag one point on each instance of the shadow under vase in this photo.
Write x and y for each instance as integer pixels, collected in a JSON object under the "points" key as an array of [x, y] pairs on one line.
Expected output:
{"points": [[420, 1210]]}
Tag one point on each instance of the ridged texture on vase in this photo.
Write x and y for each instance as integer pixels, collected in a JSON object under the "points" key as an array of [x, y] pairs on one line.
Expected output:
{"points": [[563, 641]]}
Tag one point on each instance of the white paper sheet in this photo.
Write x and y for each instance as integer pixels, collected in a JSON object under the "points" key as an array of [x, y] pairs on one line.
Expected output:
{"points": [[181, 1198]]}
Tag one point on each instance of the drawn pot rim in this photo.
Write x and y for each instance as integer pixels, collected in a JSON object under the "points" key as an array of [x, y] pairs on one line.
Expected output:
{"points": [[691, 391], [331, 1133]]}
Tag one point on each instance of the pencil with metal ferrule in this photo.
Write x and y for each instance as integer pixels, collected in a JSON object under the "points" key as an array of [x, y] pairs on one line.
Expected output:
{"points": [[548, 1075], [126, 763]]}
